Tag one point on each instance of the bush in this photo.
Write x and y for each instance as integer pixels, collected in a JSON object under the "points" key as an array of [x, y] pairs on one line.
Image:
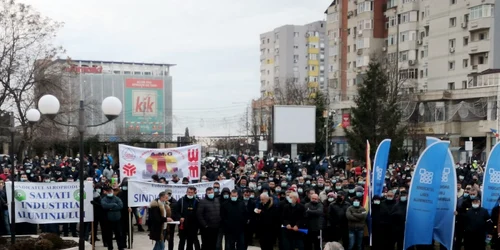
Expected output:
{"points": [[24, 244], [44, 244], [55, 239]]}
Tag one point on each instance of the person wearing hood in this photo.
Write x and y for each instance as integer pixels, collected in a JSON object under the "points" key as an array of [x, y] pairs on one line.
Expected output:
{"points": [[314, 219], [209, 218], [160, 214], [478, 224], [398, 220], [185, 212], [234, 218]]}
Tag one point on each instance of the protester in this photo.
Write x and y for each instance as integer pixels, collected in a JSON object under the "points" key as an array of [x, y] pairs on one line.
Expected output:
{"points": [[112, 207], [234, 218], [356, 219], [209, 218], [477, 224], [160, 215], [185, 212]]}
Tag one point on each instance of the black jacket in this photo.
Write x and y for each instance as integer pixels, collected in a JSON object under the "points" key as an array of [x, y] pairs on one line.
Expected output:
{"points": [[314, 216], [234, 217], [187, 208], [208, 213], [386, 207], [398, 216], [268, 221], [337, 213], [294, 215], [158, 214], [477, 220]]}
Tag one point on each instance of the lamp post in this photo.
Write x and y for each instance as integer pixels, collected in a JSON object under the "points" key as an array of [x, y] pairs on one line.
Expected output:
{"points": [[111, 107], [33, 116]]}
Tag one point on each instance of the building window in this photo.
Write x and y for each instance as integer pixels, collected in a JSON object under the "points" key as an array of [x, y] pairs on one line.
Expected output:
{"points": [[464, 84], [365, 6], [453, 22], [403, 56], [295, 46], [295, 34], [393, 21], [480, 59], [127, 72], [404, 36], [451, 85], [466, 41], [482, 36], [451, 65], [117, 72], [268, 40], [453, 1], [295, 58], [465, 63], [451, 43], [485, 10]]}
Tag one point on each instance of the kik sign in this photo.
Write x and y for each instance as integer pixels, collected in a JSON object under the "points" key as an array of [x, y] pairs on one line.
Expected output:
{"points": [[144, 105]]}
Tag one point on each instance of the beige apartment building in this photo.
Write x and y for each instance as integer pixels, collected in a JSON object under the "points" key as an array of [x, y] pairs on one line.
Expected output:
{"points": [[447, 60]]}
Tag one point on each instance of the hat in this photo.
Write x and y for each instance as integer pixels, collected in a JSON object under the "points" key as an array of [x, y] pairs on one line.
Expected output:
{"points": [[169, 191]]}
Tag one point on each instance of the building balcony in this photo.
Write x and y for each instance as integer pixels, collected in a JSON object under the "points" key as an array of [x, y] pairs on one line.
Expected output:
{"points": [[478, 68], [313, 62], [480, 46], [313, 73], [408, 45], [312, 85], [415, 5], [408, 26], [313, 39], [313, 50], [479, 24]]}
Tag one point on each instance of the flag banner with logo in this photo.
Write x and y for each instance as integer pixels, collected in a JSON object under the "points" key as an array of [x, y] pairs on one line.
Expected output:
{"points": [[381, 161], [47, 203], [491, 180], [141, 193], [423, 195], [429, 140], [142, 163], [367, 203], [444, 225]]}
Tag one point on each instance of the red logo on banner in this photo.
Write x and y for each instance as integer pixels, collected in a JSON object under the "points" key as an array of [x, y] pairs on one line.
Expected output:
{"points": [[193, 158], [129, 169], [346, 120], [145, 106]]}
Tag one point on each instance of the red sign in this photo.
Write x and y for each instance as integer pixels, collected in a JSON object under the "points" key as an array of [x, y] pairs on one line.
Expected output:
{"points": [[144, 83], [77, 69], [346, 120], [144, 106], [193, 158], [129, 169]]}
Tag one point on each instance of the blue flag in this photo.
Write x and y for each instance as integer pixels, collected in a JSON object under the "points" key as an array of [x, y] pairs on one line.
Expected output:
{"points": [[429, 140], [491, 180], [444, 225], [380, 163], [423, 195]]}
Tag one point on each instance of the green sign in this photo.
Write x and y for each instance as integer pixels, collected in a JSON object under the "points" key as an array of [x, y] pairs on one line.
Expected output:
{"points": [[144, 107]]}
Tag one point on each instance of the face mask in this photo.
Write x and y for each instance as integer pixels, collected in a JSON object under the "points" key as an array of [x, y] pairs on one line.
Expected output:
{"points": [[330, 199], [473, 196], [98, 190], [24, 179], [466, 195], [308, 182], [351, 191], [110, 195], [376, 202], [278, 189], [246, 198], [234, 198], [190, 196], [390, 198], [461, 177], [226, 196], [338, 187], [252, 196], [334, 181], [283, 184], [321, 185], [359, 194], [124, 188], [328, 188], [216, 190], [210, 196], [314, 185], [289, 199], [355, 203], [403, 198], [300, 190], [46, 181], [475, 205], [243, 186]]}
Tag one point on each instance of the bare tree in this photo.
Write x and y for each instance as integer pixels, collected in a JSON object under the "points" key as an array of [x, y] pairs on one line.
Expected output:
{"points": [[26, 58], [291, 92]]}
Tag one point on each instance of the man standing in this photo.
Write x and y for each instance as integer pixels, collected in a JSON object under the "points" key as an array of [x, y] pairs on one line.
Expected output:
{"points": [[477, 225], [171, 227], [208, 215], [160, 214], [112, 207], [268, 222], [234, 219], [293, 219], [186, 209], [338, 220], [356, 217], [314, 218]]}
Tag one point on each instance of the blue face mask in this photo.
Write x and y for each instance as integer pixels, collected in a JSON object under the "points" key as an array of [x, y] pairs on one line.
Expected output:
{"points": [[109, 195], [359, 194], [473, 196], [216, 190], [466, 195], [226, 196], [403, 198], [355, 203], [190, 196], [210, 196], [234, 198], [246, 198], [289, 199]]}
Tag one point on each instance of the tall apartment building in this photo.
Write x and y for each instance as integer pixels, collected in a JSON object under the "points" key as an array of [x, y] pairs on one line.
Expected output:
{"points": [[293, 53], [441, 48], [356, 32]]}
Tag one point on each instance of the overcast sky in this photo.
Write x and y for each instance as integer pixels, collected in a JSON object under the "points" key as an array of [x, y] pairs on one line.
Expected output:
{"points": [[215, 45]]}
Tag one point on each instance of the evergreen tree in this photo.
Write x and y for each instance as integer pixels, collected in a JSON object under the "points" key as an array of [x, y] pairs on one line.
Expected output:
{"points": [[376, 116], [321, 102]]}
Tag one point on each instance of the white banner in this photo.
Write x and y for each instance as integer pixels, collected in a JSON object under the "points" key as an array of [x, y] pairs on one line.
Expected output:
{"points": [[140, 193], [47, 203], [142, 163]]}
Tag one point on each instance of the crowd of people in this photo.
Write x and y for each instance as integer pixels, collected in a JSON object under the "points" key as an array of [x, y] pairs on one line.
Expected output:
{"points": [[285, 204]]}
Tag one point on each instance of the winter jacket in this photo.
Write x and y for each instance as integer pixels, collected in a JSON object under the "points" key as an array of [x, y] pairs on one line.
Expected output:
{"points": [[112, 206], [385, 211], [294, 215], [108, 173], [208, 213], [314, 216], [337, 214], [186, 208], [477, 220], [234, 217], [356, 217], [398, 216], [159, 213], [268, 220]]}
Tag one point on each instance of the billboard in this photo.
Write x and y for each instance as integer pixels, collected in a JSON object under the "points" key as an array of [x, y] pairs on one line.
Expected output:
{"points": [[294, 124], [144, 107]]}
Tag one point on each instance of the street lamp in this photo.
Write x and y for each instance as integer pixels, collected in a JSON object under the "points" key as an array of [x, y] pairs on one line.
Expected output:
{"points": [[111, 107], [33, 116]]}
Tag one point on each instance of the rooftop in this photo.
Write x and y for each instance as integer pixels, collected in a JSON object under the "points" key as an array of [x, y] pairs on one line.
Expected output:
{"points": [[116, 62]]}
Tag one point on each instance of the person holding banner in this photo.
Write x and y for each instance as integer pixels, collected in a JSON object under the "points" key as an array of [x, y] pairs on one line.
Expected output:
{"points": [[293, 220], [268, 222], [160, 214]]}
